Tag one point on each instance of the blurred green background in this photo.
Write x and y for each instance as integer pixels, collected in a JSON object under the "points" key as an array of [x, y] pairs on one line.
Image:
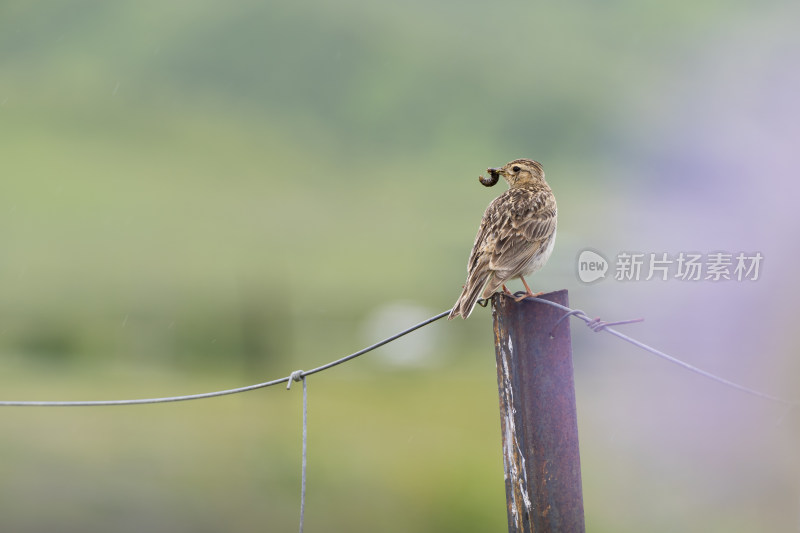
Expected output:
{"points": [[202, 195]]}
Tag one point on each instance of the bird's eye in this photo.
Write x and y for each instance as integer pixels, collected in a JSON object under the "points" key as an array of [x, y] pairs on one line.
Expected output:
{"points": [[515, 168]]}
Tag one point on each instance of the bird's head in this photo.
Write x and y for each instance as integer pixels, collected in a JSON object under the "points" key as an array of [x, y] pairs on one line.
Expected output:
{"points": [[517, 173]]}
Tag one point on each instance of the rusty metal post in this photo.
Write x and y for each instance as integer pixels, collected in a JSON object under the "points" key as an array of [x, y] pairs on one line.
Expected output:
{"points": [[538, 416]]}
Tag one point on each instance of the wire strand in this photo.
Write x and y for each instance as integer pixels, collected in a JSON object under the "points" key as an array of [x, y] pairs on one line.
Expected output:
{"points": [[294, 376], [595, 324], [598, 325], [167, 399], [305, 455]]}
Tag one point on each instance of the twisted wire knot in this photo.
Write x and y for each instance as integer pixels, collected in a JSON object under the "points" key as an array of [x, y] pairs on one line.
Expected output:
{"points": [[297, 375]]}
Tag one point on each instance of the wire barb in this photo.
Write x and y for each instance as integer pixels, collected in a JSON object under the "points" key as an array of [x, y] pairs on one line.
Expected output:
{"points": [[594, 324], [597, 325]]}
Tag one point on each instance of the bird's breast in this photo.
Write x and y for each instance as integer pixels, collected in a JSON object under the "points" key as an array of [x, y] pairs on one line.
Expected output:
{"points": [[539, 259]]}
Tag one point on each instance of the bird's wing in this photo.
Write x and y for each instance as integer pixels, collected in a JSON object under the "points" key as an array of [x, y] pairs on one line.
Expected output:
{"points": [[514, 228], [486, 240]]}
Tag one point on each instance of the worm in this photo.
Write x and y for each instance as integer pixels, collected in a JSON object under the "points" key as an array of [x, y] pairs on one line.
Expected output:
{"points": [[491, 180]]}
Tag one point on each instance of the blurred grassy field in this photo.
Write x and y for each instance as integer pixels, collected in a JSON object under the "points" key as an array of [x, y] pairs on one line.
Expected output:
{"points": [[381, 444], [198, 196]]}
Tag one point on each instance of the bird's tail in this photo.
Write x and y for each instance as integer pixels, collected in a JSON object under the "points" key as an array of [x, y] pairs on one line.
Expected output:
{"points": [[469, 296]]}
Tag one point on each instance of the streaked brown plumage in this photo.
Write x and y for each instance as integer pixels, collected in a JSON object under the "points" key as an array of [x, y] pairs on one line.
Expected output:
{"points": [[516, 235]]}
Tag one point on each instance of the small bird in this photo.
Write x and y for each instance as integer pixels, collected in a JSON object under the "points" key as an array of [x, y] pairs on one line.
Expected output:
{"points": [[516, 236]]}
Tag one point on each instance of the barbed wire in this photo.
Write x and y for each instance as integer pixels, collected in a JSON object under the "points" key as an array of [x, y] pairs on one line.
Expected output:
{"points": [[595, 324]]}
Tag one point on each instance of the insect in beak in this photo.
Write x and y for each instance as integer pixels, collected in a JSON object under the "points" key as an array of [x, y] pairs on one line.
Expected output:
{"points": [[491, 180]]}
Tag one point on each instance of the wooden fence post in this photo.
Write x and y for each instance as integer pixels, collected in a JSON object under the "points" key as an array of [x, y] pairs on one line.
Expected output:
{"points": [[538, 416]]}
